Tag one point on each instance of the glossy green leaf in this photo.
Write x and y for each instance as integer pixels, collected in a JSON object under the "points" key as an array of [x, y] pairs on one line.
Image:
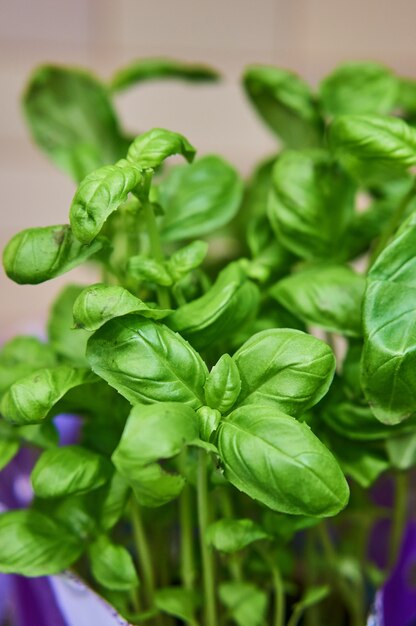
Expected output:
{"points": [[143, 70], [200, 198], [72, 119], [112, 565], [231, 535], [99, 195], [150, 149], [373, 148], [154, 432], [209, 420], [278, 461], [178, 602], [147, 362], [30, 399], [22, 356], [8, 450], [144, 268], [153, 487], [187, 259], [327, 296], [389, 357], [69, 470], [311, 203], [359, 88], [67, 341], [285, 102], [99, 303], [223, 384], [246, 603], [284, 368], [230, 302], [32, 544], [38, 254]]}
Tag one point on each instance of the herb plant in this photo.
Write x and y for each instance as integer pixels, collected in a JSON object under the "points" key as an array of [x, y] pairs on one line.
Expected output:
{"points": [[217, 428]]}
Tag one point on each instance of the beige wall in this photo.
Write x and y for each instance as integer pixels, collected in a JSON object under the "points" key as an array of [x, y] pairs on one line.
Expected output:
{"points": [[309, 36]]}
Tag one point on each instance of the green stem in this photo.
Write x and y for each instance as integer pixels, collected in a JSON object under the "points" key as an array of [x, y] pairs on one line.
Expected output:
{"points": [[187, 547], [394, 223], [295, 617], [208, 575], [234, 559], [143, 554], [399, 516], [279, 595], [156, 250]]}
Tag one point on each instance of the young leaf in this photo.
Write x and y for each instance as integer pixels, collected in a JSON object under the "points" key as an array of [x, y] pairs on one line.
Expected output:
{"points": [[389, 357], [284, 368], [199, 198], [67, 341], [38, 254], [311, 203], [153, 487], [223, 384], [209, 420], [373, 148], [285, 103], [143, 268], [147, 362], [8, 450], [229, 535], [278, 461], [32, 544], [150, 149], [112, 565], [154, 432], [187, 259], [358, 89], [97, 304], [328, 296], [177, 602], [229, 302], [161, 69], [22, 356], [30, 399], [401, 451], [246, 603], [69, 470], [72, 119], [99, 195]]}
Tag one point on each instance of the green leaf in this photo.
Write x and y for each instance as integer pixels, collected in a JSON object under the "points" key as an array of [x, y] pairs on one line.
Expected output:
{"points": [[22, 356], [150, 149], [312, 596], [32, 398], [373, 148], [99, 195], [285, 103], [8, 450], [401, 451], [209, 420], [69, 470], [153, 487], [99, 303], [187, 259], [358, 89], [143, 268], [178, 602], [327, 296], [110, 501], [67, 341], [38, 254], [223, 384], [229, 535], [32, 544], [278, 461], [112, 565], [389, 357], [199, 198], [230, 302], [72, 119], [143, 70], [246, 603], [284, 368], [147, 362], [311, 203], [43, 435], [406, 99], [154, 432]]}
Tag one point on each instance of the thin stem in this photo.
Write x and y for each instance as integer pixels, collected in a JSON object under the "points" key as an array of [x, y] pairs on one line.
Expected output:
{"points": [[234, 559], [394, 223], [206, 553], [295, 617], [143, 554], [399, 516], [279, 595], [187, 547], [156, 250]]}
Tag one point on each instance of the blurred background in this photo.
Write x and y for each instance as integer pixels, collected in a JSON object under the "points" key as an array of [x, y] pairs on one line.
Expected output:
{"points": [[307, 36]]}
